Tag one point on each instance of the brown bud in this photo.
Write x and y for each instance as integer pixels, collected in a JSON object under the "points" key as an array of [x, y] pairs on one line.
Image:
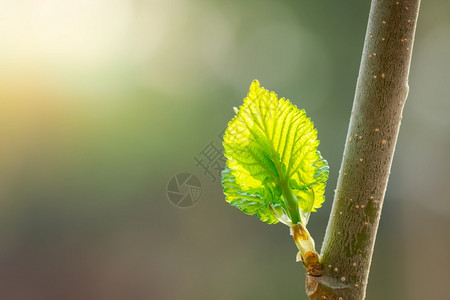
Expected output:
{"points": [[315, 269]]}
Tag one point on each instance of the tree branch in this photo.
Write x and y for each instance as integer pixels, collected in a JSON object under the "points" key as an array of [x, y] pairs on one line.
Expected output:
{"points": [[381, 91]]}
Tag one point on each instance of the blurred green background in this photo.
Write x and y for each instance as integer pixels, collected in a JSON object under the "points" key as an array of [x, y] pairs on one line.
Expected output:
{"points": [[102, 102]]}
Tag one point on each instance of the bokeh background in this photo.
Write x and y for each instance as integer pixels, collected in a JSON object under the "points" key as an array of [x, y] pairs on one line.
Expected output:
{"points": [[102, 102]]}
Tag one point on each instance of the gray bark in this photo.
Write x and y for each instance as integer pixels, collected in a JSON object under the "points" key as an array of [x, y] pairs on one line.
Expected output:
{"points": [[381, 92]]}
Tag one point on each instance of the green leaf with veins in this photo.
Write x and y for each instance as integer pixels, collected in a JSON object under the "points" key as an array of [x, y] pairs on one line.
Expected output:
{"points": [[273, 166]]}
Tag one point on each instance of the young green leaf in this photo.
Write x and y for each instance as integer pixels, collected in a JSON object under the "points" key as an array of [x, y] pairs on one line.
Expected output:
{"points": [[273, 167]]}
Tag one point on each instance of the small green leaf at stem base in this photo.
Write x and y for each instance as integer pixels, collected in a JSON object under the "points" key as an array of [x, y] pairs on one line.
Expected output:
{"points": [[273, 168]]}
